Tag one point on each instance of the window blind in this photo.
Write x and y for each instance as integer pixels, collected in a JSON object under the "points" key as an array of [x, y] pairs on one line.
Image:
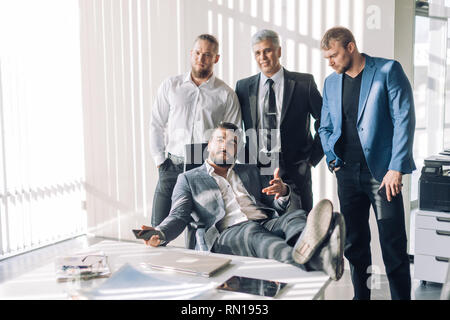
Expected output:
{"points": [[41, 145]]}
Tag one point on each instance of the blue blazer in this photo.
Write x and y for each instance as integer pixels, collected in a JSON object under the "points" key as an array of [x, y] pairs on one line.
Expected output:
{"points": [[386, 118]]}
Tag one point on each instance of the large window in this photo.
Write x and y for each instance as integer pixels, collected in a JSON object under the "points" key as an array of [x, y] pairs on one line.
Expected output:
{"points": [[41, 132], [431, 94]]}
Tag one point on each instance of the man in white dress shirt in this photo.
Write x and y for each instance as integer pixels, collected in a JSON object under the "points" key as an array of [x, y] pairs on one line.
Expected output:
{"points": [[186, 110]]}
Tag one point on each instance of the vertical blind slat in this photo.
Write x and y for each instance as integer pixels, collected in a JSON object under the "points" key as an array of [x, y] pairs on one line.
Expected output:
{"points": [[41, 164]]}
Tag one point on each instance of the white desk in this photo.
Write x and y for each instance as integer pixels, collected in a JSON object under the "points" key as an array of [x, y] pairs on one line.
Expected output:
{"points": [[41, 283]]}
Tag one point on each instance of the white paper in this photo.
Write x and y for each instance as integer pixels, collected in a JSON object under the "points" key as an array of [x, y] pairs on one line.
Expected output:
{"points": [[129, 283]]}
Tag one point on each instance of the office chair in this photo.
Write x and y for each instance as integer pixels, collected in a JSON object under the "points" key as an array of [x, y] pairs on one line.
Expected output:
{"points": [[195, 155]]}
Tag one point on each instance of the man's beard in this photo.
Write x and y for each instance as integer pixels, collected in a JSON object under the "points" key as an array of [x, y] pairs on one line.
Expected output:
{"points": [[346, 67], [223, 163], [201, 74]]}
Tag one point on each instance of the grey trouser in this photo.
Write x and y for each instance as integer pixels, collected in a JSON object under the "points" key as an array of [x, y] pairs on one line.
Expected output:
{"points": [[269, 239]]}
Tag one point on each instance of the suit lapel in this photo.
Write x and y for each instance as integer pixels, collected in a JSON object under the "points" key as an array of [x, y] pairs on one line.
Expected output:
{"points": [[211, 184], [366, 84], [253, 99], [289, 85], [243, 175], [253, 188], [340, 78]]}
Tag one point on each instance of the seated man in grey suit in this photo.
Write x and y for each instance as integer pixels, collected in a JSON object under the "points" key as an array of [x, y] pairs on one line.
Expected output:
{"points": [[244, 212]]}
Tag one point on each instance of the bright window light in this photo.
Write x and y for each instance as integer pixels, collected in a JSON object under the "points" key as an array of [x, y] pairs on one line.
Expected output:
{"points": [[42, 131]]}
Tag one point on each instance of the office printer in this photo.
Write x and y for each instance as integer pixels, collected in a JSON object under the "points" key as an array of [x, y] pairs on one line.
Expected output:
{"points": [[434, 184]]}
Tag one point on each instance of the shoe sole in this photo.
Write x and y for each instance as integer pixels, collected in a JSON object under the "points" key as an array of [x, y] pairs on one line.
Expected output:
{"points": [[317, 224]]}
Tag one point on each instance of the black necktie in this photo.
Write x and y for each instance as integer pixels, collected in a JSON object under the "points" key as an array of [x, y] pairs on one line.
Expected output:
{"points": [[270, 114]]}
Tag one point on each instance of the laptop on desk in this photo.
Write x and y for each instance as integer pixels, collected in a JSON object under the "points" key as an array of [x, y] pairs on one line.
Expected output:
{"points": [[196, 264]]}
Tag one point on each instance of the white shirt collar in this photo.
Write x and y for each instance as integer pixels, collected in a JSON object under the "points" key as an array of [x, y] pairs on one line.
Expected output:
{"points": [[277, 77], [187, 77], [209, 82], [210, 168]]}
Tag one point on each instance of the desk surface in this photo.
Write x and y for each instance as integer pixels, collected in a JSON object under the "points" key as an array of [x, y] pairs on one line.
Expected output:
{"points": [[41, 283]]}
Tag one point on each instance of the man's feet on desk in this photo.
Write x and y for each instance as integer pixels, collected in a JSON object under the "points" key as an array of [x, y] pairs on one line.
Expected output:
{"points": [[321, 244], [315, 232], [330, 257]]}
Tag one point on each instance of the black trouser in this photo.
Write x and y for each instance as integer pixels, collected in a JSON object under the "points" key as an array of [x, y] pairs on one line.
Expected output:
{"points": [[357, 191], [301, 185], [269, 239], [299, 179], [162, 199]]}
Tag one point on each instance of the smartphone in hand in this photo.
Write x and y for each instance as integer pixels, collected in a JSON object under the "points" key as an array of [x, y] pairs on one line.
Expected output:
{"points": [[382, 193], [147, 234]]}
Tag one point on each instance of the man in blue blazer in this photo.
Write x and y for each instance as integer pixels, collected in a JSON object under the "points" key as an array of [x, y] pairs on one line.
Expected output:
{"points": [[367, 130], [244, 213]]}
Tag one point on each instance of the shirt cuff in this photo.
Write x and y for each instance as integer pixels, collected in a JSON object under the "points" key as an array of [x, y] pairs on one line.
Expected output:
{"points": [[163, 240], [286, 197]]}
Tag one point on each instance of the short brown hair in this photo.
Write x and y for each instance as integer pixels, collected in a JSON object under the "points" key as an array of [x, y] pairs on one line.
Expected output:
{"points": [[340, 34], [211, 39], [227, 126]]}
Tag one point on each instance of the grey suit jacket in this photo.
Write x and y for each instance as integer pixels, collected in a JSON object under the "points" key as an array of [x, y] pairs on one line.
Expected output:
{"points": [[197, 191]]}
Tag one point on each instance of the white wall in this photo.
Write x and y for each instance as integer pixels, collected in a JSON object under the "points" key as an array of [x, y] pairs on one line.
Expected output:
{"points": [[130, 46]]}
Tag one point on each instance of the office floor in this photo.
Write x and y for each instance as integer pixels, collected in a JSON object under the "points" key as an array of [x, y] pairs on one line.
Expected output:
{"points": [[343, 290], [337, 290]]}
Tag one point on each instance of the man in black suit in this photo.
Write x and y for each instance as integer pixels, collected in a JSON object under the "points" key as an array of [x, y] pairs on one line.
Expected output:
{"points": [[277, 106]]}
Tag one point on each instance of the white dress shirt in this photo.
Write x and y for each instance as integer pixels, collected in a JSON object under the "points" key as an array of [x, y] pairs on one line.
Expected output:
{"points": [[240, 206], [278, 88], [184, 113]]}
